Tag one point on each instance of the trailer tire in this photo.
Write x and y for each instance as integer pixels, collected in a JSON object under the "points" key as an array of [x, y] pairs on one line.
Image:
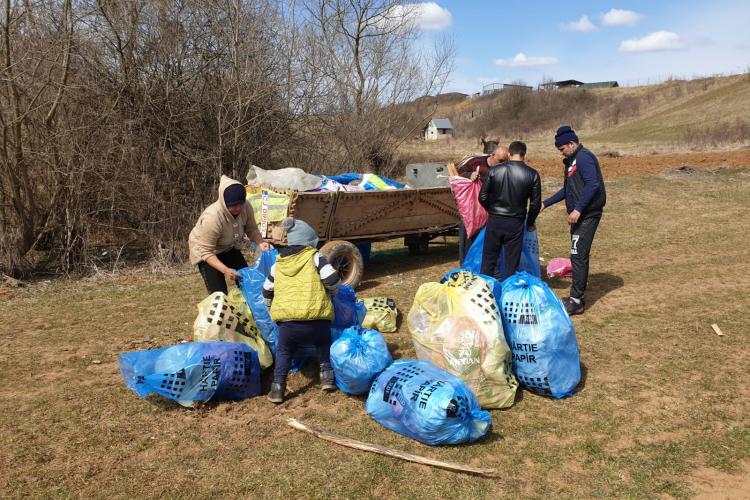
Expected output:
{"points": [[346, 258]]}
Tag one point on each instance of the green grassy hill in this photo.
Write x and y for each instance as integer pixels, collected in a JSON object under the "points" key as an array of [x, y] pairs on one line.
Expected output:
{"points": [[680, 110], [705, 111]]}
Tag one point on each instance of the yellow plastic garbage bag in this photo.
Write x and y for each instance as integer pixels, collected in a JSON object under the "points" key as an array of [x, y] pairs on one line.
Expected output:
{"points": [[276, 204], [219, 319], [457, 326], [381, 314]]}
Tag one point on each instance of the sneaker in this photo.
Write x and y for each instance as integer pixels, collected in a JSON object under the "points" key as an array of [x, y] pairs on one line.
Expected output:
{"points": [[327, 380], [572, 307], [277, 393]]}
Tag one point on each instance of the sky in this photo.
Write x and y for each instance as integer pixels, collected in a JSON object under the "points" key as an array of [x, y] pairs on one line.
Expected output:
{"points": [[634, 42]]}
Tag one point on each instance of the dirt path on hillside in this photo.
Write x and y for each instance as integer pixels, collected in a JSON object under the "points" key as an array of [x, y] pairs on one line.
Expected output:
{"points": [[635, 166]]}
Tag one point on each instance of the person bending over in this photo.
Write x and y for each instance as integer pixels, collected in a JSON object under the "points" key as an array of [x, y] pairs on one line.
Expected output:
{"points": [[216, 239]]}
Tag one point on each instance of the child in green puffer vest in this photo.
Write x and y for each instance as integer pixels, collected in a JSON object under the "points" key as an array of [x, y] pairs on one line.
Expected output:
{"points": [[297, 293]]}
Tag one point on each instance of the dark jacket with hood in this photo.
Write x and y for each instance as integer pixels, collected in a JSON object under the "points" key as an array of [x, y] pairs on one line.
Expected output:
{"points": [[583, 187]]}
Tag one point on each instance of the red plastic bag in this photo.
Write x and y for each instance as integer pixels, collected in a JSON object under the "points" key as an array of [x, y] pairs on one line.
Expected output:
{"points": [[466, 193], [559, 267]]}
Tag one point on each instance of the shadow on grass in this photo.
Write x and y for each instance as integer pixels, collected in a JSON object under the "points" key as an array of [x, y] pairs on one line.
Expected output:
{"points": [[397, 260], [492, 436], [522, 391], [582, 384], [393, 348], [599, 285]]}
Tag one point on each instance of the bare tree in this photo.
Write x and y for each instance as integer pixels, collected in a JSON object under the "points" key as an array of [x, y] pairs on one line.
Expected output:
{"points": [[118, 117], [35, 68], [369, 61]]}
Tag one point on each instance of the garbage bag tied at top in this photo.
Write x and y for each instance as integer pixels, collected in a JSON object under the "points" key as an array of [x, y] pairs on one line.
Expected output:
{"points": [[457, 326], [423, 402], [541, 336], [357, 357], [194, 371]]}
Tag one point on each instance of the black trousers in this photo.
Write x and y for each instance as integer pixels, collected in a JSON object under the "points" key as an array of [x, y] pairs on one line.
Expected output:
{"points": [[464, 243], [581, 238], [293, 334], [504, 233], [213, 279]]}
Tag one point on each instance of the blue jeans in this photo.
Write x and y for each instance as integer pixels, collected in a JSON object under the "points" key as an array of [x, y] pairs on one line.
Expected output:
{"points": [[292, 335]]}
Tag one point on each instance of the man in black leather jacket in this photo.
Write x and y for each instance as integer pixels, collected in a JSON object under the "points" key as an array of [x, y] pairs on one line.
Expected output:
{"points": [[510, 188]]}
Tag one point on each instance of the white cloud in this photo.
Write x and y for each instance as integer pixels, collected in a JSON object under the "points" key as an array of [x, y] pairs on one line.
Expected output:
{"points": [[522, 59], [428, 16], [653, 42], [583, 24], [619, 17]]}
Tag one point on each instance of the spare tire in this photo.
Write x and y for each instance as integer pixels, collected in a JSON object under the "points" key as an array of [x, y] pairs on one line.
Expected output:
{"points": [[346, 258]]}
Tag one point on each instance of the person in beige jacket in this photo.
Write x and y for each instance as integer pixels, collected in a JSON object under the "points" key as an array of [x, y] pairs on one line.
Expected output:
{"points": [[216, 239]]}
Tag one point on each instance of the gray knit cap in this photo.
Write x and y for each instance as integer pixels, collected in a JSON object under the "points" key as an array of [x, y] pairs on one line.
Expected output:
{"points": [[299, 232]]}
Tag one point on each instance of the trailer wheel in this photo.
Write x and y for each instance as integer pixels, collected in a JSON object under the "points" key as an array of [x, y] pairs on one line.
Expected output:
{"points": [[346, 258]]}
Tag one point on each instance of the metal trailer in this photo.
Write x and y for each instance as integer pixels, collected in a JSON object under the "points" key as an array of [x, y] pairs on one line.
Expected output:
{"points": [[344, 219]]}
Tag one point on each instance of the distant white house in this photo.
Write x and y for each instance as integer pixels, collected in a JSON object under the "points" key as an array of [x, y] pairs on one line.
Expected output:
{"points": [[438, 128]]}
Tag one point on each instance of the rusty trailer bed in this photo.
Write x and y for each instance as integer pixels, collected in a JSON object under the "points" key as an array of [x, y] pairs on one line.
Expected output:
{"points": [[345, 218]]}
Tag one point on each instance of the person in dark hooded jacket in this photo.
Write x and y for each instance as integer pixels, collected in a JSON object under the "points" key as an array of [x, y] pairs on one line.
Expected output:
{"points": [[585, 197]]}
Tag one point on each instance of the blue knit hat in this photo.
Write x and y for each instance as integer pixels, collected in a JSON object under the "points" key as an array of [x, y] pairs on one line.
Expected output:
{"points": [[564, 135], [234, 194], [299, 232]]}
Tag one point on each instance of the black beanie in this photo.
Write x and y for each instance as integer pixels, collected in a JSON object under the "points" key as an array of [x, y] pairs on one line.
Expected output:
{"points": [[564, 135], [234, 194]]}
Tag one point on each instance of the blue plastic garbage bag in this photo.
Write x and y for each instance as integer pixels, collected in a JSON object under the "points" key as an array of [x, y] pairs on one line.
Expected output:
{"points": [[345, 308], [423, 402], [529, 254], [351, 177], [265, 261], [541, 336], [251, 283], [344, 178], [358, 356], [195, 371]]}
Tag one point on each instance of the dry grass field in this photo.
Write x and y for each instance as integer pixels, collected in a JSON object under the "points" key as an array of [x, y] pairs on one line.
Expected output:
{"points": [[663, 410]]}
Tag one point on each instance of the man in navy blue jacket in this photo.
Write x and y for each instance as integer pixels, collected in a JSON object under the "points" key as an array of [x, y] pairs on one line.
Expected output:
{"points": [[585, 197]]}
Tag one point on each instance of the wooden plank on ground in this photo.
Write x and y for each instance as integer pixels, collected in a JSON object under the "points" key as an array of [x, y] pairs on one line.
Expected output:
{"points": [[382, 450]]}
